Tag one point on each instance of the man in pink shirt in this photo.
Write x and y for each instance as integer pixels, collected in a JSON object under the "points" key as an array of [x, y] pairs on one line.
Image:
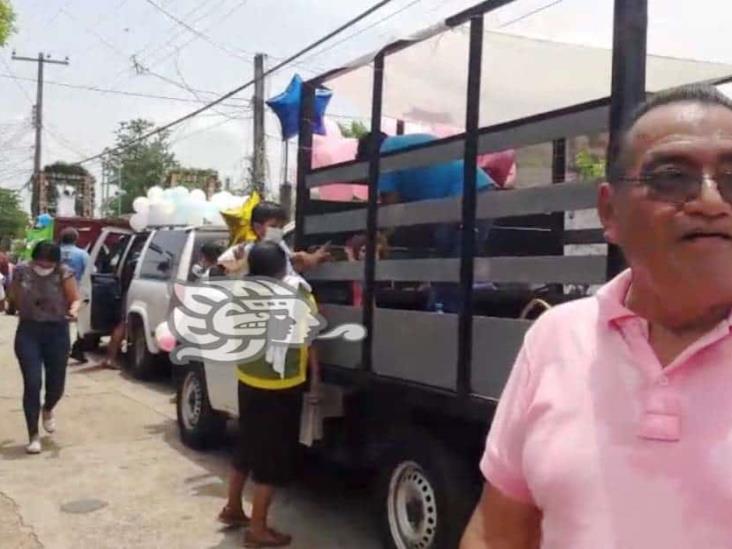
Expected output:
{"points": [[615, 428]]}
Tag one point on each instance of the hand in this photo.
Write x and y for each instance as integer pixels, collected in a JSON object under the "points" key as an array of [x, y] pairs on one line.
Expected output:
{"points": [[322, 254], [73, 312]]}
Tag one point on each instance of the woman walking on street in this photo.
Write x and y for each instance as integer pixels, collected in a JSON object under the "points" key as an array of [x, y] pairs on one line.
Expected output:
{"points": [[46, 297]]}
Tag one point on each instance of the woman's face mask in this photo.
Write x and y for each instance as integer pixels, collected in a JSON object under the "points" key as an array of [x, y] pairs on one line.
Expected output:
{"points": [[42, 271]]}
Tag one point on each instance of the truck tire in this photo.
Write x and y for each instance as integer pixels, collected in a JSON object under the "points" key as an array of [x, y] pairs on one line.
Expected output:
{"points": [[426, 495], [199, 425], [140, 361]]}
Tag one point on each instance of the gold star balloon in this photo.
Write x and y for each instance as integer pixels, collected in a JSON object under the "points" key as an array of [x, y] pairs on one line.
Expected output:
{"points": [[239, 220]]}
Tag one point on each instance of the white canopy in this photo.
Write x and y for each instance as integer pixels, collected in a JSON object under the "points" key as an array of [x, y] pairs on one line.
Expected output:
{"points": [[427, 82]]}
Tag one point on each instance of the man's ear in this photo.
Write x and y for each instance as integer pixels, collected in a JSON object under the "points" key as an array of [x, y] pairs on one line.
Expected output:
{"points": [[607, 211]]}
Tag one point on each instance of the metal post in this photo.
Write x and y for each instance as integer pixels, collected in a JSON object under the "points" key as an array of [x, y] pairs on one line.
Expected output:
{"points": [[372, 213], [39, 195], [119, 191], [259, 138], [630, 31], [470, 195], [40, 183], [304, 160], [559, 175]]}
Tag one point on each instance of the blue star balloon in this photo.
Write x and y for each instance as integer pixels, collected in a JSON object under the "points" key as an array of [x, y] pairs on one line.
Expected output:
{"points": [[287, 108]]}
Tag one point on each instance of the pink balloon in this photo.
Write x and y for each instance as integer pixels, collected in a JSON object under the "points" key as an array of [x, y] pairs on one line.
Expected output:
{"points": [[328, 150], [167, 342], [164, 338]]}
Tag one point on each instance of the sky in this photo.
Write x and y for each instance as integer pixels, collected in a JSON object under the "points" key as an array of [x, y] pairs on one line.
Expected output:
{"points": [[187, 67]]}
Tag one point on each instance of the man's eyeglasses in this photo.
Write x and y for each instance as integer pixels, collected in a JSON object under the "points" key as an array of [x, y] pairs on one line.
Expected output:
{"points": [[681, 187]]}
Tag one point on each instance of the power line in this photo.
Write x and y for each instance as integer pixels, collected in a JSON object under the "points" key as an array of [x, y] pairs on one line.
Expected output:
{"points": [[111, 90], [178, 49], [361, 31], [529, 14], [193, 30], [175, 34], [233, 92], [17, 79]]}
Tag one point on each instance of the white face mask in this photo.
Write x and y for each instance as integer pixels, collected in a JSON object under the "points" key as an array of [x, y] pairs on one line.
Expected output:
{"points": [[41, 271], [274, 234]]}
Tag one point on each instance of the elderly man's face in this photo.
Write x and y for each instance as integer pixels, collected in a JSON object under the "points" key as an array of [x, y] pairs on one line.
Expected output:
{"points": [[676, 244]]}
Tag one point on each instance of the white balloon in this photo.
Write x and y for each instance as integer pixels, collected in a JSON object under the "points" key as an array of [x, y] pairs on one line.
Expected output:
{"points": [[195, 217], [156, 214], [220, 199], [155, 193], [198, 195], [138, 222], [180, 191], [182, 209], [141, 204]]}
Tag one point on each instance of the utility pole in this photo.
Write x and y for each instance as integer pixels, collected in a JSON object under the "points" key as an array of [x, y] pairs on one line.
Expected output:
{"points": [[39, 196], [258, 158]]}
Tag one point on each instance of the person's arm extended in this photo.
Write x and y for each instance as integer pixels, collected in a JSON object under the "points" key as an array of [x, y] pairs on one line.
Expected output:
{"points": [[71, 292], [500, 522], [303, 261]]}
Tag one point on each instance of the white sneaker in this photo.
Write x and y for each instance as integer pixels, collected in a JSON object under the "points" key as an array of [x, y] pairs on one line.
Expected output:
{"points": [[34, 447], [49, 422]]}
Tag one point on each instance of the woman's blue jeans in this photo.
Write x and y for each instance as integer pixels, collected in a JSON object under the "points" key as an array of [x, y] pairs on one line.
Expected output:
{"points": [[41, 346]]}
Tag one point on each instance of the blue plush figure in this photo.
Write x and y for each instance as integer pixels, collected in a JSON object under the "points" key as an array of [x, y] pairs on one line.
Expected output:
{"points": [[287, 108], [43, 221]]}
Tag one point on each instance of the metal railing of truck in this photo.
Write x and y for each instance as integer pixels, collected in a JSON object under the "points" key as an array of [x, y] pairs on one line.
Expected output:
{"points": [[464, 355]]}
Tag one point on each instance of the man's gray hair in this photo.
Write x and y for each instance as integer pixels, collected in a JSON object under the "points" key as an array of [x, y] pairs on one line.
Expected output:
{"points": [[618, 151]]}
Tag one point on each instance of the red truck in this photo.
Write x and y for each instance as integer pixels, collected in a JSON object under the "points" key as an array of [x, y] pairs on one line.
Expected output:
{"points": [[89, 228]]}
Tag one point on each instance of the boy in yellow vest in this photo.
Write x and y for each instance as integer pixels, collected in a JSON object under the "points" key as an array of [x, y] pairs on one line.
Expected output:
{"points": [[271, 390]]}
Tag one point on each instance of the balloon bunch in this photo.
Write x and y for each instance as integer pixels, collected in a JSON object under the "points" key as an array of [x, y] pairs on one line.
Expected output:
{"points": [[179, 206]]}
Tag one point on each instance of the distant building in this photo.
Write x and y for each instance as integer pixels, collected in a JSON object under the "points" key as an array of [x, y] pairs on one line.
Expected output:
{"points": [[191, 178]]}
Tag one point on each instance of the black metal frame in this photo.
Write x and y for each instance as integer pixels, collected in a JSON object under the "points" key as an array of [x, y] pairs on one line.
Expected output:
{"points": [[372, 213], [467, 258], [630, 33], [628, 90]]}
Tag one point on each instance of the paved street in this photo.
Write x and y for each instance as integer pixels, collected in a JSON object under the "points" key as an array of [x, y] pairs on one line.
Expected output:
{"points": [[115, 475]]}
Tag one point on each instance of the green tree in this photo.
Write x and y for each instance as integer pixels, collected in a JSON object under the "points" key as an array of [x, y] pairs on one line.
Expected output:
{"points": [[13, 220], [356, 129], [590, 166], [7, 21], [136, 164]]}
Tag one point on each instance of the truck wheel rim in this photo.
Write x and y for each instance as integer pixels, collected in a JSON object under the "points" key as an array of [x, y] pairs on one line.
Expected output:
{"points": [[192, 396], [411, 507]]}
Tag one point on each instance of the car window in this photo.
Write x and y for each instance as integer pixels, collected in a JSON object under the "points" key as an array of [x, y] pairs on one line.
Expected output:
{"points": [[163, 255], [132, 258], [111, 252], [201, 239]]}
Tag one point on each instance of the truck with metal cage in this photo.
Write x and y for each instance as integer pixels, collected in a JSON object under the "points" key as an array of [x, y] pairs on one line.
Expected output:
{"points": [[417, 395]]}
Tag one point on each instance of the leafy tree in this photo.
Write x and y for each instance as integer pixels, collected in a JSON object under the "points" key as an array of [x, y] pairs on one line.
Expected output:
{"points": [[589, 165], [136, 165], [60, 169], [7, 21], [13, 220], [356, 129]]}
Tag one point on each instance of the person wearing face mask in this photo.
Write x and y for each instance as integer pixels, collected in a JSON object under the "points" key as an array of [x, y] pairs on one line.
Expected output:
{"points": [[268, 222], [46, 296]]}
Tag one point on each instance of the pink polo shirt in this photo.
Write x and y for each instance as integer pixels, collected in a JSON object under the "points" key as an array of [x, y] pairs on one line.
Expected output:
{"points": [[616, 451]]}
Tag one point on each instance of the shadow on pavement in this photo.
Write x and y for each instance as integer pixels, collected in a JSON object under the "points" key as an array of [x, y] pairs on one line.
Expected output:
{"points": [[322, 485]]}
